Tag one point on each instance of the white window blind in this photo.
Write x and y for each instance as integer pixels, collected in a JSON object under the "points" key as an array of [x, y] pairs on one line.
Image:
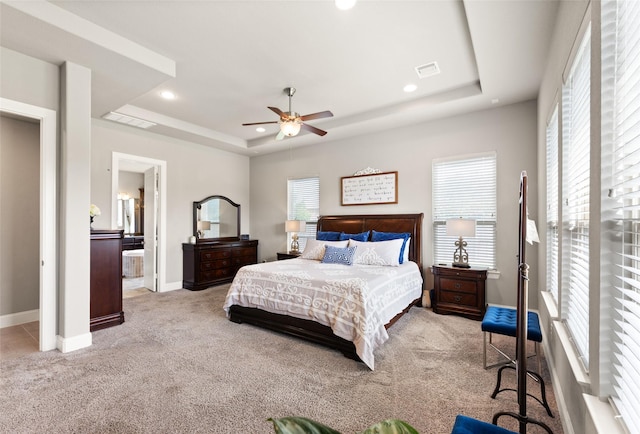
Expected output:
{"points": [[621, 133], [576, 160], [466, 188], [552, 204], [303, 203]]}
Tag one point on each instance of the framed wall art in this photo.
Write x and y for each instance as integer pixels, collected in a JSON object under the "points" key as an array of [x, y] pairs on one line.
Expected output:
{"points": [[369, 189]]}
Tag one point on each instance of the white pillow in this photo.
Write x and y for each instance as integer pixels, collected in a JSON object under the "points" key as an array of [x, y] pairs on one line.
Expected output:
{"points": [[314, 249], [378, 252]]}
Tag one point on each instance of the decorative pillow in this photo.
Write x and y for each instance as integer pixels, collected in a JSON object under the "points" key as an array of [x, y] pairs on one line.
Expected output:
{"points": [[314, 249], [378, 253], [339, 255], [385, 236], [362, 236], [328, 236]]}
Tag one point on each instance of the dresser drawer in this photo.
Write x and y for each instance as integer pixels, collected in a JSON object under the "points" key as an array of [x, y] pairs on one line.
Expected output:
{"points": [[208, 255], [243, 251], [214, 265], [460, 298], [461, 273], [243, 260], [217, 274], [459, 285]]}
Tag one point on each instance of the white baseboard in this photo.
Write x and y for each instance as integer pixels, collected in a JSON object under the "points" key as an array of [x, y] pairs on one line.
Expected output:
{"points": [[13, 319], [565, 418], [171, 286], [66, 345]]}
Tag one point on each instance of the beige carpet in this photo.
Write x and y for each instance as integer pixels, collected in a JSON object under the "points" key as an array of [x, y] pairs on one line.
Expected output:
{"points": [[177, 365]]}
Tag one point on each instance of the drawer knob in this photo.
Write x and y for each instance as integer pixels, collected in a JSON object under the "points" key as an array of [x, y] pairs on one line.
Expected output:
{"points": [[457, 286], [457, 298]]}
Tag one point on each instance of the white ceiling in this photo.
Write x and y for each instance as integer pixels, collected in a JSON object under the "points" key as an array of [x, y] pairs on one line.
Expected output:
{"points": [[228, 60]]}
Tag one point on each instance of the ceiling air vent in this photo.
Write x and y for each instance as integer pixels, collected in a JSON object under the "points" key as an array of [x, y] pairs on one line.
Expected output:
{"points": [[428, 69], [128, 120]]}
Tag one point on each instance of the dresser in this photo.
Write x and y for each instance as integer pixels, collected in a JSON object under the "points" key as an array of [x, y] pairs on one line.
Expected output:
{"points": [[106, 279], [459, 291], [210, 263]]}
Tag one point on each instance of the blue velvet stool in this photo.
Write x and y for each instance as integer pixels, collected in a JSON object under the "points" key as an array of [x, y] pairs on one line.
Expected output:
{"points": [[467, 425], [502, 320]]}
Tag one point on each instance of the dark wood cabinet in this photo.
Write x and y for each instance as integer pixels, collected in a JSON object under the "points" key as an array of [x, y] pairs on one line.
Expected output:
{"points": [[106, 279], [459, 291], [210, 263], [286, 255]]}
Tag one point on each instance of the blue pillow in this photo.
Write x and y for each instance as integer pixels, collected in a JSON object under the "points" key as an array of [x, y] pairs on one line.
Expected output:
{"points": [[362, 236], [338, 255], [328, 236], [385, 236]]}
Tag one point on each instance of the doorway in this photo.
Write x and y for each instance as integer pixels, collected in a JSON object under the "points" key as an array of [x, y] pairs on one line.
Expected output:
{"points": [[154, 212], [47, 312]]}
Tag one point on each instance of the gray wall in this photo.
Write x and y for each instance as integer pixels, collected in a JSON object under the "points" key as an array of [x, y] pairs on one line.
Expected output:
{"points": [[19, 215], [509, 130], [193, 173], [130, 183]]}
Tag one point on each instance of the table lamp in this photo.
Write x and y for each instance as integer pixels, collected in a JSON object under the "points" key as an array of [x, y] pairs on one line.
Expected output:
{"points": [[461, 228], [294, 226]]}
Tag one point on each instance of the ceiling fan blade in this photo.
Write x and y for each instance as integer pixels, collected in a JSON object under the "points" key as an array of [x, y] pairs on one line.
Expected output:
{"points": [[261, 123], [277, 111], [319, 115], [313, 129], [280, 135]]}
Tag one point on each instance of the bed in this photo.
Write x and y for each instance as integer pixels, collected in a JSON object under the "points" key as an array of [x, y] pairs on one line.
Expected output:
{"points": [[347, 307]]}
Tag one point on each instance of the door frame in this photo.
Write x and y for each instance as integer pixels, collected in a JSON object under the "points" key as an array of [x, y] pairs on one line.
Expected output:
{"points": [[116, 158], [48, 217]]}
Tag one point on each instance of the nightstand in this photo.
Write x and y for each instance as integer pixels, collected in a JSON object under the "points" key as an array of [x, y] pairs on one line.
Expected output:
{"points": [[459, 291], [285, 255]]}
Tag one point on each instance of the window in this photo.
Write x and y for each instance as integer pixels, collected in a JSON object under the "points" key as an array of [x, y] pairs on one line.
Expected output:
{"points": [[621, 141], [576, 132], [466, 188], [552, 204], [303, 203]]}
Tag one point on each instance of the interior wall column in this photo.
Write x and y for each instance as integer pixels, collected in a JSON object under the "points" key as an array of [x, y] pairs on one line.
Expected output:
{"points": [[75, 198]]}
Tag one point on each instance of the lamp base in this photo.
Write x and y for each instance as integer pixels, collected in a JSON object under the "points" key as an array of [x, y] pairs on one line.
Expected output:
{"points": [[460, 265]]}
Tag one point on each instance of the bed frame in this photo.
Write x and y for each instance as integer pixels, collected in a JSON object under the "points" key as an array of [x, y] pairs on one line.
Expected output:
{"points": [[318, 333]]}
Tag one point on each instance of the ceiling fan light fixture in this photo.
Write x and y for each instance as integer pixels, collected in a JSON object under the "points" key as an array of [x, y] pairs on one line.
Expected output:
{"points": [[290, 127], [344, 5]]}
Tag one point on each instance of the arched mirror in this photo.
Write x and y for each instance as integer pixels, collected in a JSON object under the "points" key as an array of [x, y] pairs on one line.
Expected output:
{"points": [[216, 218]]}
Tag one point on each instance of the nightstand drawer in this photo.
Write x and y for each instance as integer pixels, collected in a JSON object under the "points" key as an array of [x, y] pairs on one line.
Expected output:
{"points": [[459, 285], [458, 298]]}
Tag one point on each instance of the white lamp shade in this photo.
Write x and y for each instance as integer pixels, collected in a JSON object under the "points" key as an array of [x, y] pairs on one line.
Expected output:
{"points": [[204, 225], [461, 227], [295, 226], [290, 128]]}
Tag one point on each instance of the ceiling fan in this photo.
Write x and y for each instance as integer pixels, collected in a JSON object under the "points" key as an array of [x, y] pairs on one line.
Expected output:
{"points": [[291, 122]]}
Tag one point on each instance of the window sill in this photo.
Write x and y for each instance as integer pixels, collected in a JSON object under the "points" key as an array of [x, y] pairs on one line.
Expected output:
{"points": [[550, 304], [493, 274], [601, 418], [582, 378]]}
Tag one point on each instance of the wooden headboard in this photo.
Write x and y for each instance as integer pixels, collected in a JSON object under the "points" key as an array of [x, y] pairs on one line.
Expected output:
{"points": [[353, 224]]}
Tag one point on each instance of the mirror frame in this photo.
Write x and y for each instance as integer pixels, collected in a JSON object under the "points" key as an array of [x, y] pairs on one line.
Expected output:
{"points": [[198, 205]]}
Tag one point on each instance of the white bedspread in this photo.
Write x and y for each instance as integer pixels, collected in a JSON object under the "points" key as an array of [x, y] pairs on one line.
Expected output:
{"points": [[355, 301]]}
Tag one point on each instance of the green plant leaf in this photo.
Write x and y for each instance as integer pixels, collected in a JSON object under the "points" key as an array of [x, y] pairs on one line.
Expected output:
{"points": [[391, 426], [300, 425]]}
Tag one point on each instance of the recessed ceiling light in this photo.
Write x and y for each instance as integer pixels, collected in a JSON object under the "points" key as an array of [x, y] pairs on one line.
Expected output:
{"points": [[410, 88], [167, 94], [260, 130], [343, 5]]}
